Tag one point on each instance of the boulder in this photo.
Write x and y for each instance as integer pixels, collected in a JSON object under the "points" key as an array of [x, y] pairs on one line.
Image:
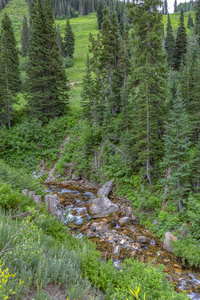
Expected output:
{"points": [[102, 226], [167, 241], [101, 207], [123, 221], [51, 202], [31, 194], [142, 239], [37, 199], [105, 190], [25, 192], [116, 252]]}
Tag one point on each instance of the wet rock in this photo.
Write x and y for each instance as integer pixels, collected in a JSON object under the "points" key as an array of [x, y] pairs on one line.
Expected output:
{"points": [[101, 207], [102, 226], [142, 239], [167, 241], [106, 189], [133, 253], [122, 242], [137, 245], [123, 221], [62, 201], [116, 252]]}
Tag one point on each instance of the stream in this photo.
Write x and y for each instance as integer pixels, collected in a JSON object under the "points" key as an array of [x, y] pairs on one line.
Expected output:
{"points": [[118, 241]]}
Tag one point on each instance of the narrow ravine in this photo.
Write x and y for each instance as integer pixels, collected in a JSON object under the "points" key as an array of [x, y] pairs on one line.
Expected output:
{"points": [[120, 235]]}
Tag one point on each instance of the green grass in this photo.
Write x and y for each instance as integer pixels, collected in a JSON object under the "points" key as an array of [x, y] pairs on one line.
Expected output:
{"points": [[175, 20], [81, 27], [16, 9]]}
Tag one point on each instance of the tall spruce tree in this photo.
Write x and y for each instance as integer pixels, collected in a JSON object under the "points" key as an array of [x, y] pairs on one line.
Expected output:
{"points": [[25, 37], [46, 77], [69, 41], [99, 14], [11, 48], [9, 75], [176, 158], [170, 43], [190, 23], [181, 43], [175, 6], [149, 84], [197, 21]]}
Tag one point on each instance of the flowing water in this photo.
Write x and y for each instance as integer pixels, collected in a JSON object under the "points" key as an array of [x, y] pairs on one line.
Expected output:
{"points": [[72, 210]]}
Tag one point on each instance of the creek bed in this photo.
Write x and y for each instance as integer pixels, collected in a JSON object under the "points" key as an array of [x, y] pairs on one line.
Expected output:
{"points": [[107, 234]]}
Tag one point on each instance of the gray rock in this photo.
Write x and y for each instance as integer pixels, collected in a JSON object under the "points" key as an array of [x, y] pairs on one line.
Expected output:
{"points": [[123, 221], [101, 207], [106, 189], [25, 192], [142, 239], [51, 202], [134, 220], [38, 199], [167, 241], [116, 252], [31, 194]]}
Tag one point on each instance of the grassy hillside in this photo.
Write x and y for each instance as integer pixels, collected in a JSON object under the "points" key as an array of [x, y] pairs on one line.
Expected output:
{"points": [[175, 20]]}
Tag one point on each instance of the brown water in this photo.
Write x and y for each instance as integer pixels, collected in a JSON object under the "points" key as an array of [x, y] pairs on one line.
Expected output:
{"points": [[73, 211]]}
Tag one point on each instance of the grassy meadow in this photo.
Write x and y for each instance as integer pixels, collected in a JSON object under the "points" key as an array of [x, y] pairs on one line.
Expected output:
{"points": [[175, 20]]}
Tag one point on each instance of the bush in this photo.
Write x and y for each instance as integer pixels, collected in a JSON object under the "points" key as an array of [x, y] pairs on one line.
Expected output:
{"points": [[18, 179], [68, 62]]}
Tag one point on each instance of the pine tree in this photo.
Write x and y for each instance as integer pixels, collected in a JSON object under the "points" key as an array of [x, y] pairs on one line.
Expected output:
{"points": [[190, 21], [69, 41], [149, 85], [197, 21], [175, 6], [99, 14], [170, 43], [11, 48], [176, 158], [9, 75], [181, 43], [25, 37], [46, 78], [165, 8]]}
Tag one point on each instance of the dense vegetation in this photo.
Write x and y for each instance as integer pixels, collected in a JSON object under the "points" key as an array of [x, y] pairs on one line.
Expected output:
{"points": [[132, 114]]}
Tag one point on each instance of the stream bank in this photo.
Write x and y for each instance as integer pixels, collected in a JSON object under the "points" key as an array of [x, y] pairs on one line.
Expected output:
{"points": [[119, 235]]}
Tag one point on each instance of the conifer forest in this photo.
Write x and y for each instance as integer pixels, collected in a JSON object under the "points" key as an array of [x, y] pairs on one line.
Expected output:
{"points": [[99, 150]]}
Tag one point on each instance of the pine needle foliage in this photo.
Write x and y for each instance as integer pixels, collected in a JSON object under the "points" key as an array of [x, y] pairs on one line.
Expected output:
{"points": [[47, 83]]}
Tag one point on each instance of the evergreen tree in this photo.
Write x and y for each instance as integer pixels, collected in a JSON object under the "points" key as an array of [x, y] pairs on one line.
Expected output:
{"points": [[69, 41], [197, 21], [25, 37], [181, 43], [175, 6], [190, 23], [46, 77], [149, 85], [176, 158], [165, 8], [99, 14], [11, 48], [170, 43]]}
